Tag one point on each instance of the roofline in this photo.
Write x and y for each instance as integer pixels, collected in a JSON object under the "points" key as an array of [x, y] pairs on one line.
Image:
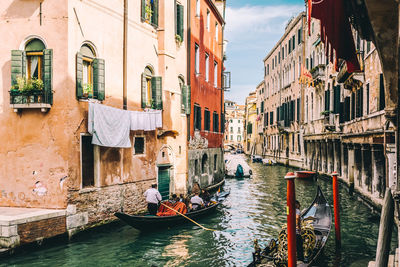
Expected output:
{"points": [[296, 20], [215, 9], [261, 83]]}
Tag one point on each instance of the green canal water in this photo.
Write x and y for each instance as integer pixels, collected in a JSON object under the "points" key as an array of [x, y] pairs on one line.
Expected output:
{"points": [[254, 209]]}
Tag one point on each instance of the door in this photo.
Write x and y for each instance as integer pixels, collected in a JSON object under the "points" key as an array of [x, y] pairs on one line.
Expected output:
{"points": [[163, 181]]}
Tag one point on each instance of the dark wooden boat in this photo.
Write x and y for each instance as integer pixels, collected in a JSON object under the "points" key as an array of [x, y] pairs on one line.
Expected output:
{"points": [[319, 213], [149, 222], [305, 174]]}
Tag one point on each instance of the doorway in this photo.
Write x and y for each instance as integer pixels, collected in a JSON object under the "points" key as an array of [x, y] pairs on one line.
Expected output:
{"points": [[164, 181]]}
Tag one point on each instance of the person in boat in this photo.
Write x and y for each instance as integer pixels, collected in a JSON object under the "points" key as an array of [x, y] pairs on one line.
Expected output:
{"points": [[153, 197], [205, 196], [196, 202], [299, 239], [173, 199]]}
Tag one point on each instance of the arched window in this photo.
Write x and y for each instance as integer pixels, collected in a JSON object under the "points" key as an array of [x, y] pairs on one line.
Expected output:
{"points": [[90, 73], [34, 59], [151, 89], [183, 94]]}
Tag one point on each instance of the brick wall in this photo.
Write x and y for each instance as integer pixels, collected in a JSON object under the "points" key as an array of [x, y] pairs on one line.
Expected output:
{"points": [[32, 231]]}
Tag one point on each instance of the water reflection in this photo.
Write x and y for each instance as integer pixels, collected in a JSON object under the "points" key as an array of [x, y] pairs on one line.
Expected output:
{"points": [[254, 209]]}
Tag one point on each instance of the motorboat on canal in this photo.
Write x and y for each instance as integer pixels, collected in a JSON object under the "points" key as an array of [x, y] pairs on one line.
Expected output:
{"points": [[237, 167], [256, 158], [147, 222], [305, 174], [318, 221], [269, 162]]}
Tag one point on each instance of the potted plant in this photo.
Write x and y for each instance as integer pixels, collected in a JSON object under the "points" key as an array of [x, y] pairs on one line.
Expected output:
{"points": [[326, 112], [37, 85], [148, 12], [87, 90], [14, 90], [178, 39]]}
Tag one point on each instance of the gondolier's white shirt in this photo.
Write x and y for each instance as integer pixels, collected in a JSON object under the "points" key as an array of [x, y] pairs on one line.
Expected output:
{"points": [[152, 196], [197, 201]]}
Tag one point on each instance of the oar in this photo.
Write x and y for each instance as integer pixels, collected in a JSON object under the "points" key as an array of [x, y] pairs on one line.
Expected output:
{"points": [[205, 228]]}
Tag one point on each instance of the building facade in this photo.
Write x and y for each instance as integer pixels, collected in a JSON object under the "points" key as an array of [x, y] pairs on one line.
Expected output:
{"points": [[205, 58], [234, 126], [250, 120], [50, 162]]}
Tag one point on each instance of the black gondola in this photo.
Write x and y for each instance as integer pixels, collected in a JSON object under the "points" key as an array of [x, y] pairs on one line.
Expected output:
{"points": [[148, 222], [319, 213]]}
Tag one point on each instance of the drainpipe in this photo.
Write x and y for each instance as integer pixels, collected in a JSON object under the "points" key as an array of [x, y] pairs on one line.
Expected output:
{"points": [[188, 64], [124, 79]]}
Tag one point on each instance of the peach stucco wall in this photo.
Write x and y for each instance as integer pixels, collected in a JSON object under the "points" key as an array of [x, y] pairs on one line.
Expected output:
{"points": [[45, 147]]}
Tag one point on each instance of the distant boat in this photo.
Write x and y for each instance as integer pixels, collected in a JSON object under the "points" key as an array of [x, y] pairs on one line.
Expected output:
{"points": [[269, 162], [237, 167], [255, 158], [305, 174]]}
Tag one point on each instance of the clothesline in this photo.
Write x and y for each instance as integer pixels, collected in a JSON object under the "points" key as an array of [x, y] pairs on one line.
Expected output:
{"points": [[110, 127]]}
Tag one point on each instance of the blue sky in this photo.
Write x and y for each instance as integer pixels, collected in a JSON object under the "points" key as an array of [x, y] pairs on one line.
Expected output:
{"points": [[252, 29]]}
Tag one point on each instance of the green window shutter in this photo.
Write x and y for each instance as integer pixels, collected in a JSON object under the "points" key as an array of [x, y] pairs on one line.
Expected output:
{"points": [[183, 98], [144, 93], [17, 58], [47, 74], [188, 100], [180, 20], [154, 17], [156, 91], [79, 75], [99, 78], [143, 10]]}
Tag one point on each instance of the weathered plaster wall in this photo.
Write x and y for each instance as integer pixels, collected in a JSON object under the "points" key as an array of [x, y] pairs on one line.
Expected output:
{"points": [[35, 150]]}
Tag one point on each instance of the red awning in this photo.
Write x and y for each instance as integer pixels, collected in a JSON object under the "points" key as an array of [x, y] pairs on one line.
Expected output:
{"points": [[335, 30]]}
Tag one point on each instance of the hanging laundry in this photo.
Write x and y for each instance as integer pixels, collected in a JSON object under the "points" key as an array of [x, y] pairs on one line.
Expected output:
{"points": [[146, 121], [110, 127]]}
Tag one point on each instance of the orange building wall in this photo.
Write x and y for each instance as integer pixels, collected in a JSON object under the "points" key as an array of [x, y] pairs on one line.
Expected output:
{"points": [[203, 92]]}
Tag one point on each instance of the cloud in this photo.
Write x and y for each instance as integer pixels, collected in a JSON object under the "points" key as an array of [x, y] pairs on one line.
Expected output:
{"points": [[255, 20], [252, 31]]}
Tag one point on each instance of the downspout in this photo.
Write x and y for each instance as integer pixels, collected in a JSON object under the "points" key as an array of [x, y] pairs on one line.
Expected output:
{"points": [[125, 48], [188, 64], [222, 81]]}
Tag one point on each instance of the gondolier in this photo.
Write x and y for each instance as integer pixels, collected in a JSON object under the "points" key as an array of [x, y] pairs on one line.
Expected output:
{"points": [[153, 197]]}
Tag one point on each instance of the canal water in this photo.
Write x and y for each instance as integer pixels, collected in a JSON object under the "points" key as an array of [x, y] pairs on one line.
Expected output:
{"points": [[254, 209]]}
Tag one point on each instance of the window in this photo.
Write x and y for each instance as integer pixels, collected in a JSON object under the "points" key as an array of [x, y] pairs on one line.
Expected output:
{"points": [[215, 162], [215, 122], [216, 31], [239, 138], [238, 130], [367, 98], [185, 96], [198, 8], [207, 67], [149, 12], [196, 59], [87, 161], [139, 145], [231, 129], [206, 120], [204, 163], [34, 59], [89, 74], [197, 117], [151, 90], [381, 92], [208, 20], [238, 121], [180, 13], [215, 74], [231, 137]]}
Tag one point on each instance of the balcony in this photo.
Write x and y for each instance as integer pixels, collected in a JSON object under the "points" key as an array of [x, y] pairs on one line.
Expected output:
{"points": [[282, 126], [318, 72], [35, 99], [330, 122]]}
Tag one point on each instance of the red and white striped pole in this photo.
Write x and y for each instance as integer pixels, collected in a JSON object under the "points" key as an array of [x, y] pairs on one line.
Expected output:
{"points": [[336, 208], [291, 219]]}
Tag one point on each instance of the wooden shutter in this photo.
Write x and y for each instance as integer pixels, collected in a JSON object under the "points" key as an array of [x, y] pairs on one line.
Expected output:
{"points": [[47, 75], [382, 103], [79, 75], [154, 17], [143, 10], [17, 65], [156, 91], [180, 20], [98, 78], [336, 99], [298, 109], [188, 99], [144, 91]]}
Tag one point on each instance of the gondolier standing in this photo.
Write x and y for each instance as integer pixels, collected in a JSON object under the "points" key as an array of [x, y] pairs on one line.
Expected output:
{"points": [[153, 197]]}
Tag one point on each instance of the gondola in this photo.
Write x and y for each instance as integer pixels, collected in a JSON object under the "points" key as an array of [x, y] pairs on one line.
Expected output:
{"points": [[319, 216], [148, 222]]}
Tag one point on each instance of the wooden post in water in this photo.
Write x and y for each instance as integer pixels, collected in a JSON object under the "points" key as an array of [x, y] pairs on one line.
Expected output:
{"points": [[385, 230], [336, 208], [291, 219]]}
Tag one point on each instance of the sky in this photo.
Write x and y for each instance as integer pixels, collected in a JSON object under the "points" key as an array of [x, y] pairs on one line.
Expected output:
{"points": [[252, 29]]}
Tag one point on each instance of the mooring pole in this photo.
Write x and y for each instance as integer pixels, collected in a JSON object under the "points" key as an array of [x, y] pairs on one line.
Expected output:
{"points": [[336, 208], [385, 230], [291, 218]]}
